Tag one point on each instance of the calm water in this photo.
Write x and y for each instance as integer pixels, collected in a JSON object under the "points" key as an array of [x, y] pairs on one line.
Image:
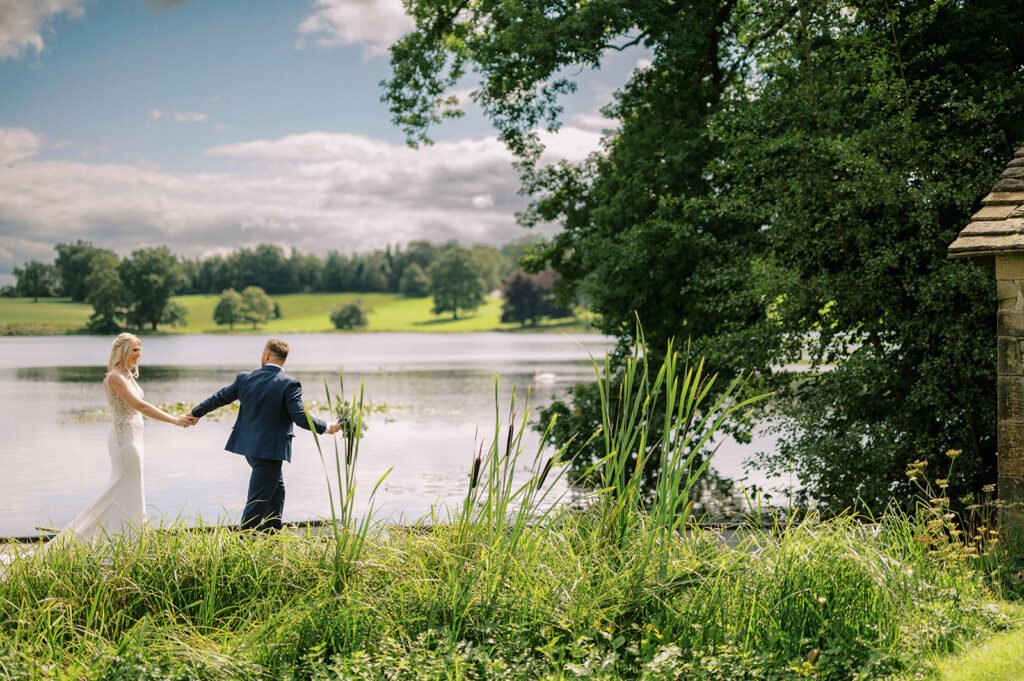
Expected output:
{"points": [[437, 391]]}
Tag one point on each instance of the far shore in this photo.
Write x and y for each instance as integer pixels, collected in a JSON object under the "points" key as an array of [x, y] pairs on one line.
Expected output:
{"points": [[300, 313]]}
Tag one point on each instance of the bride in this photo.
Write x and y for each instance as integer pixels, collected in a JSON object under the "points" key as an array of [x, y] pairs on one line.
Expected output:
{"points": [[122, 505]]}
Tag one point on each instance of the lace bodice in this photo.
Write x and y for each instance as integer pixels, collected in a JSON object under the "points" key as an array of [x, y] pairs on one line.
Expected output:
{"points": [[126, 419]]}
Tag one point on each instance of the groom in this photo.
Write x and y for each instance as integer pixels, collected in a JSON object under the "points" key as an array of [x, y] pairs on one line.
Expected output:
{"points": [[270, 401]]}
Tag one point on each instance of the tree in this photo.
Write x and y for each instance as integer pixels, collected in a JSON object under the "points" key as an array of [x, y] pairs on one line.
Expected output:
{"points": [[106, 294], [151, 276], [214, 275], [74, 265], [35, 280], [493, 265], [266, 267], [414, 283], [822, 156], [527, 298], [350, 316], [456, 282], [257, 306], [229, 309], [307, 271], [175, 314]]}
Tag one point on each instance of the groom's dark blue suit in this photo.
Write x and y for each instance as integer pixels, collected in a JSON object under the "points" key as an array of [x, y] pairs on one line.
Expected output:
{"points": [[270, 401]]}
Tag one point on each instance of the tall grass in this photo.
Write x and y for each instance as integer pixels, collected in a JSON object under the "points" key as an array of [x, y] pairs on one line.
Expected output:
{"points": [[513, 584], [348, 531]]}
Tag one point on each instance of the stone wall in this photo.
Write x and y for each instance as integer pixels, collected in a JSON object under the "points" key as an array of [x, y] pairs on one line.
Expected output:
{"points": [[1010, 337]]}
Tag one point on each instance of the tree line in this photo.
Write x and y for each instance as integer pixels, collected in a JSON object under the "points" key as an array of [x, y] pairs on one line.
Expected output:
{"points": [[136, 291]]}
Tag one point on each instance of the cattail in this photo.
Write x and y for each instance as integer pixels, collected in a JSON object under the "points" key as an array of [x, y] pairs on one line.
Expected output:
{"points": [[508, 442], [474, 475], [545, 471]]}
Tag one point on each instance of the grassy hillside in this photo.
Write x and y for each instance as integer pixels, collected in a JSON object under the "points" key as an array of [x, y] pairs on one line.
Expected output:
{"points": [[300, 313]]}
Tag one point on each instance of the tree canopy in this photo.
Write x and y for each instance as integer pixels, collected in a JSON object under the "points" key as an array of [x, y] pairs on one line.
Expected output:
{"points": [[781, 188], [457, 281], [35, 280], [151, 276]]}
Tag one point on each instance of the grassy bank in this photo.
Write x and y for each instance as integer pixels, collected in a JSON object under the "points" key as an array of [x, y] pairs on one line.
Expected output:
{"points": [[301, 313], [832, 600]]}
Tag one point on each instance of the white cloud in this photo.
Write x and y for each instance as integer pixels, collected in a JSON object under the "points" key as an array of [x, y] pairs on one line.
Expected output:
{"points": [[17, 144], [372, 23], [22, 21], [190, 117], [178, 116], [595, 121], [315, 191], [569, 143]]}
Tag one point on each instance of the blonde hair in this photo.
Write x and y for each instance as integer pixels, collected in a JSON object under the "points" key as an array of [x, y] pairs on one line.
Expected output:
{"points": [[121, 354], [278, 348]]}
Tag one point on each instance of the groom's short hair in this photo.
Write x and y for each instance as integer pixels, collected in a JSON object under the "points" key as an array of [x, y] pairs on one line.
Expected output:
{"points": [[278, 348]]}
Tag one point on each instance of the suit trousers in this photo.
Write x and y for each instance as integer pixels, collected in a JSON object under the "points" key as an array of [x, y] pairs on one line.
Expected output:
{"points": [[265, 504]]}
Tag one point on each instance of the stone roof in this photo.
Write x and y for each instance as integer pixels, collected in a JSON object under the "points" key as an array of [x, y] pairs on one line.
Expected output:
{"points": [[999, 226]]}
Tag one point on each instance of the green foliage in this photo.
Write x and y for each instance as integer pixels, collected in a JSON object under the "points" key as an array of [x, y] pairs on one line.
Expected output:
{"points": [[175, 314], [350, 316], [415, 283], [456, 281], [35, 280], [822, 157], [229, 309], [106, 293], [527, 298], [74, 264], [257, 306], [150, 277]]}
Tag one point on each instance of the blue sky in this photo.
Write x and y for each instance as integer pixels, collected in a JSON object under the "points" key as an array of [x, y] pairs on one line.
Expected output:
{"points": [[212, 125]]}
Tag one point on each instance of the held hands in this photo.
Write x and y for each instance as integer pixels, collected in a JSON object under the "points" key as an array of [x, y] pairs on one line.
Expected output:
{"points": [[186, 421]]}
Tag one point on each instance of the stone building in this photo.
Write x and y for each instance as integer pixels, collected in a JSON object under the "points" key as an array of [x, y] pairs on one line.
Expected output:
{"points": [[995, 237]]}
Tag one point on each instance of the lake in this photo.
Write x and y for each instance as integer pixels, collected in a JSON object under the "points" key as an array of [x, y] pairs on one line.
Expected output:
{"points": [[433, 396]]}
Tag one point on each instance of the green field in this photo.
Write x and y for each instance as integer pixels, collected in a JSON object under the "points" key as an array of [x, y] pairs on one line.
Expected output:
{"points": [[300, 313], [22, 316]]}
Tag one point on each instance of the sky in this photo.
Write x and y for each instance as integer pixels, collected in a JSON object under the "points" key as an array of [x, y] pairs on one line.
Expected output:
{"points": [[212, 125]]}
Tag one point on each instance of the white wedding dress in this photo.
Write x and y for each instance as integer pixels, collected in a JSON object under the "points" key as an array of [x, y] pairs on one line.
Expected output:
{"points": [[121, 508]]}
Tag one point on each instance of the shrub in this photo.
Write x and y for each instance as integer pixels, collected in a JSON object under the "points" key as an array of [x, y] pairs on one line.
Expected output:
{"points": [[350, 316]]}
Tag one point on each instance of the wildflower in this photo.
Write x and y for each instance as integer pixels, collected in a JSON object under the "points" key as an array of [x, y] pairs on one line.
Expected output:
{"points": [[988, 489], [953, 453], [943, 484], [915, 468]]}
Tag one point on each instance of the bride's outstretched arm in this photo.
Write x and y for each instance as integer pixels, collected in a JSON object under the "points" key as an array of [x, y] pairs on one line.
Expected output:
{"points": [[124, 390]]}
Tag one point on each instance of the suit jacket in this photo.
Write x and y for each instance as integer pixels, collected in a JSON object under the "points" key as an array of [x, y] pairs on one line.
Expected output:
{"points": [[270, 401]]}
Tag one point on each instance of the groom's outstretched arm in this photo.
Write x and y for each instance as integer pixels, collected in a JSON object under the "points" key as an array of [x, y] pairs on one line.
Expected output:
{"points": [[297, 412], [225, 395]]}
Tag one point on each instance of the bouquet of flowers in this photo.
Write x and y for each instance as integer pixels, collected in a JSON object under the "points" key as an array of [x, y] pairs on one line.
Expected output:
{"points": [[351, 417]]}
